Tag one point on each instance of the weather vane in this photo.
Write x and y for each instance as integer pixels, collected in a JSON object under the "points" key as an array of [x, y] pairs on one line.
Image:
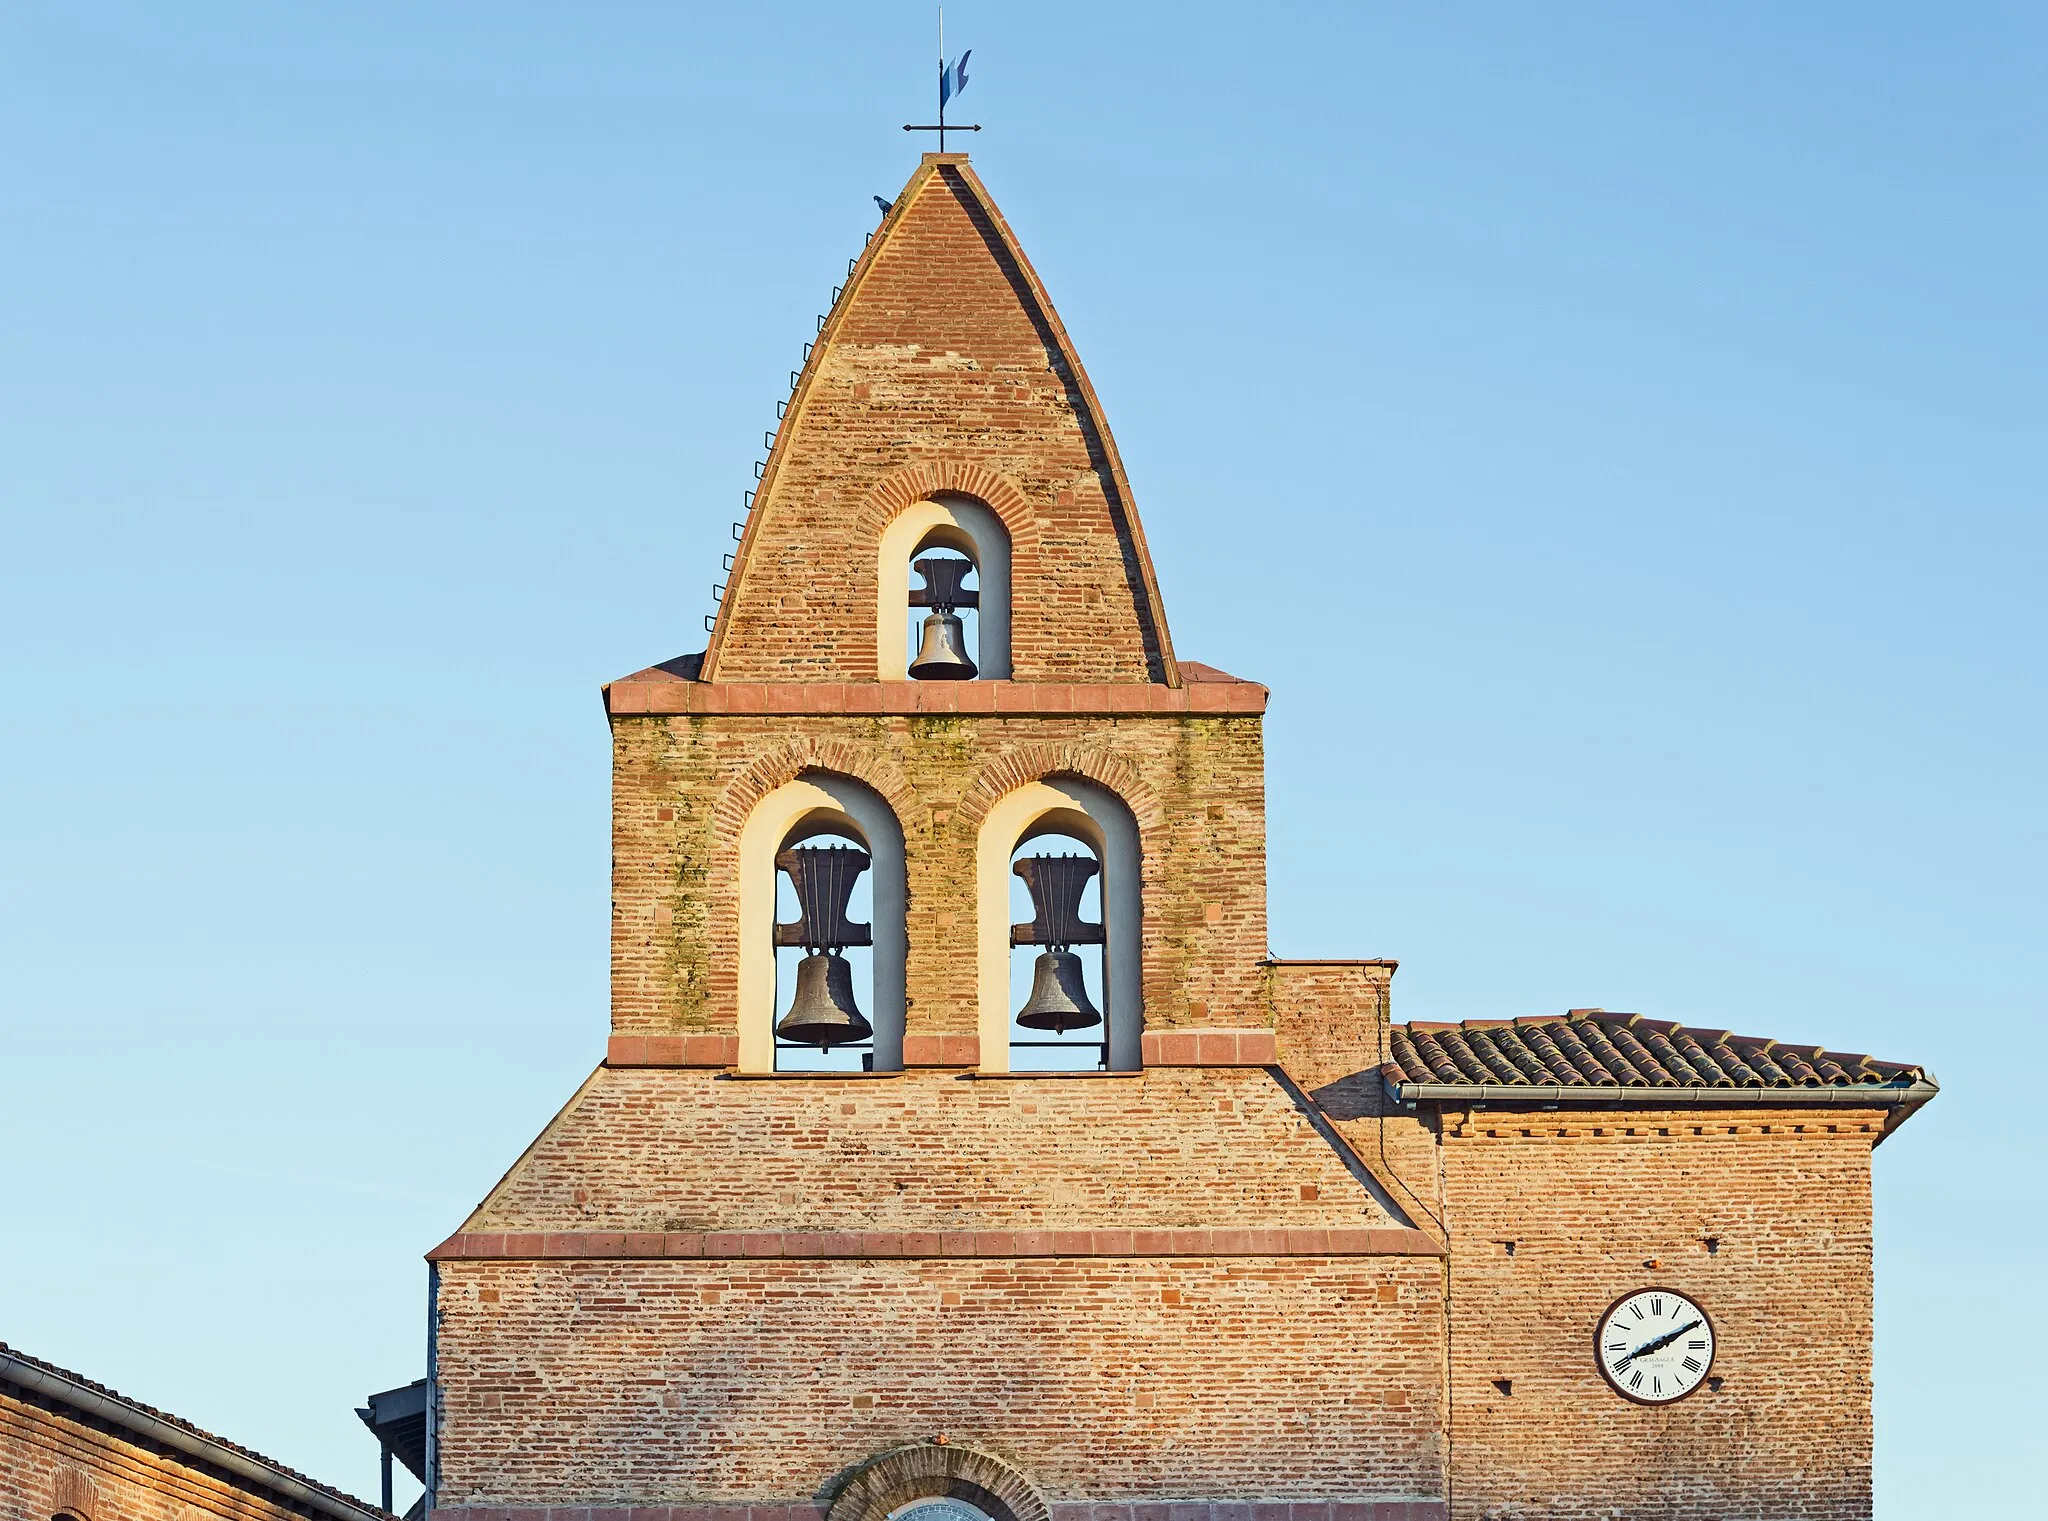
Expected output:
{"points": [[952, 80]]}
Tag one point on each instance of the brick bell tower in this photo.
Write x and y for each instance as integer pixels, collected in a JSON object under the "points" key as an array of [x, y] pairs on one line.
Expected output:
{"points": [[959, 1153], [830, 1230]]}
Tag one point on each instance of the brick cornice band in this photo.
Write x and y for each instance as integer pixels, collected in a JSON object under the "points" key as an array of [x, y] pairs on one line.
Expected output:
{"points": [[1157, 1048], [966, 698], [1062, 1510], [1178, 1241]]}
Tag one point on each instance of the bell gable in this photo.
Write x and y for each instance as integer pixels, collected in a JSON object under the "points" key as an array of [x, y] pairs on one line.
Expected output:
{"points": [[942, 375]]}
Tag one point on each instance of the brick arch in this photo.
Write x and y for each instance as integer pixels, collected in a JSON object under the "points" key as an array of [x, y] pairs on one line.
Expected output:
{"points": [[929, 1472], [1035, 762], [789, 760], [72, 1495], [919, 482]]}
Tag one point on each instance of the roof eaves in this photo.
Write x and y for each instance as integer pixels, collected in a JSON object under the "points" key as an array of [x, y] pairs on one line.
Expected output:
{"points": [[61, 1386]]}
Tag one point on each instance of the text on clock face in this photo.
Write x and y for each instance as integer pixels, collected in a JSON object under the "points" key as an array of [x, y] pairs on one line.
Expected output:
{"points": [[1656, 1345]]}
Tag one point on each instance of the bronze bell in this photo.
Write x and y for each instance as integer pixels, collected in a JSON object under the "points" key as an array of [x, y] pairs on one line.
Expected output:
{"points": [[1059, 996], [823, 1012], [940, 657], [942, 652]]}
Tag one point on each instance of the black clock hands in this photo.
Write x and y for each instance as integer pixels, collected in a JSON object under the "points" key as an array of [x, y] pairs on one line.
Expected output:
{"points": [[1651, 1346]]}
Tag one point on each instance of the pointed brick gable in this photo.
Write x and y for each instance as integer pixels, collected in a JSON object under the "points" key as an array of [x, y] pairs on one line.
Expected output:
{"points": [[942, 368]]}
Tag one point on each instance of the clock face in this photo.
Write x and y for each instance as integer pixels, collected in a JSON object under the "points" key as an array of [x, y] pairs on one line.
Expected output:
{"points": [[1654, 1346]]}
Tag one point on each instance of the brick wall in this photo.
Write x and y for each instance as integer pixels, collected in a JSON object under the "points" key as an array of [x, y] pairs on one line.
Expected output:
{"points": [[682, 786], [1588, 1201], [650, 1382], [52, 1460], [943, 356]]}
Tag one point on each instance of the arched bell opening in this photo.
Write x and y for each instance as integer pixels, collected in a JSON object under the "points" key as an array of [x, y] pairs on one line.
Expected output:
{"points": [[822, 942], [1057, 936], [1058, 904], [943, 594]]}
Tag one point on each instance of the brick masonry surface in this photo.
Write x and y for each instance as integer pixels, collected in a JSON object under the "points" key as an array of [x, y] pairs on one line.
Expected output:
{"points": [[623, 1382], [942, 352], [1589, 1202], [682, 788], [654, 1150], [52, 1462]]}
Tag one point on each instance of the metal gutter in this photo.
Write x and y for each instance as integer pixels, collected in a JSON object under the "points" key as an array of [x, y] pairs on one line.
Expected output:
{"points": [[1867, 1096], [126, 1415]]}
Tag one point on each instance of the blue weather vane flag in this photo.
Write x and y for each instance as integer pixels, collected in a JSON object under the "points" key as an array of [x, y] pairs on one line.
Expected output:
{"points": [[953, 77]]}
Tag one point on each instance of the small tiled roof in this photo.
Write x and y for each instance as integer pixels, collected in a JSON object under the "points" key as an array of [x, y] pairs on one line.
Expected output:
{"points": [[1591, 1049], [54, 1382]]}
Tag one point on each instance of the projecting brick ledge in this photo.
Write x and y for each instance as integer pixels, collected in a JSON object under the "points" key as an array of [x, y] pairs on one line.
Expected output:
{"points": [[533, 1246], [1061, 1510], [1157, 1048], [968, 698]]}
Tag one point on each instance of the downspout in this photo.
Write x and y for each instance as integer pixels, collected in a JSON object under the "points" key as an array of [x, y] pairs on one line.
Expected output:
{"points": [[433, 1464]]}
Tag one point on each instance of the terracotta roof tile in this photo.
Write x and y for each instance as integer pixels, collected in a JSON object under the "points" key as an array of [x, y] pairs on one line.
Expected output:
{"points": [[1590, 1048]]}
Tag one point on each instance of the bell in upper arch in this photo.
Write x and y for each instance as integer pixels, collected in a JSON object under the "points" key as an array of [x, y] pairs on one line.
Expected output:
{"points": [[942, 651], [1059, 996], [941, 656], [823, 1013]]}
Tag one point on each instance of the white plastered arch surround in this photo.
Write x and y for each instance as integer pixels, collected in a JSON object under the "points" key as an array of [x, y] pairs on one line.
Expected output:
{"points": [[1060, 805], [819, 802], [950, 522]]}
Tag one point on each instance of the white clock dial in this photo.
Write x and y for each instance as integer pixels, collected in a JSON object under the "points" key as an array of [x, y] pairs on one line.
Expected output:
{"points": [[1654, 1346]]}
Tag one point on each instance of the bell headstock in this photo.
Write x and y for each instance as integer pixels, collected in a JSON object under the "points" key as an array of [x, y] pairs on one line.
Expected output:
{"points": [[1056, 884], [824, 878], [942, 588]]}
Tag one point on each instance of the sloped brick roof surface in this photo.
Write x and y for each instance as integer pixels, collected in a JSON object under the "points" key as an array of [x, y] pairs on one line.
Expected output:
{"points": [[360, 1507], [1595, 1049]]}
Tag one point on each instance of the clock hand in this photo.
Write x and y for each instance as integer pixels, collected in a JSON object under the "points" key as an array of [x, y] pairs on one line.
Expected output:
{"points": [[1663, 1341]]}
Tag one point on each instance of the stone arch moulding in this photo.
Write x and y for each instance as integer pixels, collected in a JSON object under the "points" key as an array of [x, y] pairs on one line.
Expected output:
{"points": [[1088, 811], [819, 801], [931, 1471], [954, 521]]}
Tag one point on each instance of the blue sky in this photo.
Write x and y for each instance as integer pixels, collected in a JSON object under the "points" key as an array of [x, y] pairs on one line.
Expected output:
{"points": [[1614, 432]]}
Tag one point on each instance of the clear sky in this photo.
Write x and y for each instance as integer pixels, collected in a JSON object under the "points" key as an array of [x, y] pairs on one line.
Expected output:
{"points": [[1615, 433]]}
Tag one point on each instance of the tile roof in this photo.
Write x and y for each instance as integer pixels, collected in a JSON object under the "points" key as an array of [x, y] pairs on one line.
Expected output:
{"points": [[53, 1382], [1592, 1049]]}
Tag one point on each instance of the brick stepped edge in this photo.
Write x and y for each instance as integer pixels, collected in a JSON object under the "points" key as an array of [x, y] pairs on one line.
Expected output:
{"points": [[1198, 1241]]}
